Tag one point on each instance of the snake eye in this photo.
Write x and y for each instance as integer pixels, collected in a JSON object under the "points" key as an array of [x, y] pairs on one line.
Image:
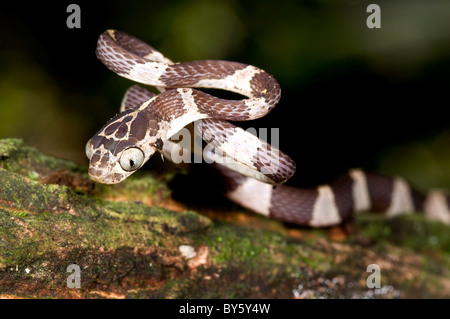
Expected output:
{"points": [[87, 149], [131, 159]]}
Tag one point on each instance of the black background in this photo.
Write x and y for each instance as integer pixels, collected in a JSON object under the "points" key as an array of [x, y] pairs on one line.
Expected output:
{"points": [[329, 123]]}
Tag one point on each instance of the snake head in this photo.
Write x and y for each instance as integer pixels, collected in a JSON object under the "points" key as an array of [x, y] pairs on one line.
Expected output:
{"points": [[118, 149]]}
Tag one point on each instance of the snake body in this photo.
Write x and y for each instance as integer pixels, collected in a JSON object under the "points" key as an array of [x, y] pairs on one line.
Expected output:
{"points": [[148, 120]]}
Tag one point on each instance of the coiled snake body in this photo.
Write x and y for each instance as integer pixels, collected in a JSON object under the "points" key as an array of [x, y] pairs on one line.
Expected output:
{"points": [[147, 121]]}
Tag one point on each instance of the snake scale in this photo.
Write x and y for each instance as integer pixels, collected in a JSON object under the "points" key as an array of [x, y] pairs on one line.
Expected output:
{"points": [[148, 120]]}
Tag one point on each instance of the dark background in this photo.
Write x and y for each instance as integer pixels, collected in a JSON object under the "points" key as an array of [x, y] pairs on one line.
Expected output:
{"points": [[352, 96]]}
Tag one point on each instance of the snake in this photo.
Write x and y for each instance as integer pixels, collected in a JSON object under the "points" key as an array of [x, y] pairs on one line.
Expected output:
{"points": [[255, 172]]}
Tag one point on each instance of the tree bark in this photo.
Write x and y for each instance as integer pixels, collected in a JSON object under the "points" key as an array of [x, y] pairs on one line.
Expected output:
{"points": [[132, 240]]}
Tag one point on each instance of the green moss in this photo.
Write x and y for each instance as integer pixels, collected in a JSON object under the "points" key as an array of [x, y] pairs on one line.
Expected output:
{"points": [[10, 145], [144, 187], [17, 157], [237, 247], [427, 235]]}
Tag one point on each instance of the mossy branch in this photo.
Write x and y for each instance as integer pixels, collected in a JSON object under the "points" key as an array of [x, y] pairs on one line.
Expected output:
{"points": [[132, 240]]}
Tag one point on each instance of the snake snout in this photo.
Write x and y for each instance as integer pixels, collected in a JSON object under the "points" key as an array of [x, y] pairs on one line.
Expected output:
{"points": [[100, 170], [101, 176]]}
